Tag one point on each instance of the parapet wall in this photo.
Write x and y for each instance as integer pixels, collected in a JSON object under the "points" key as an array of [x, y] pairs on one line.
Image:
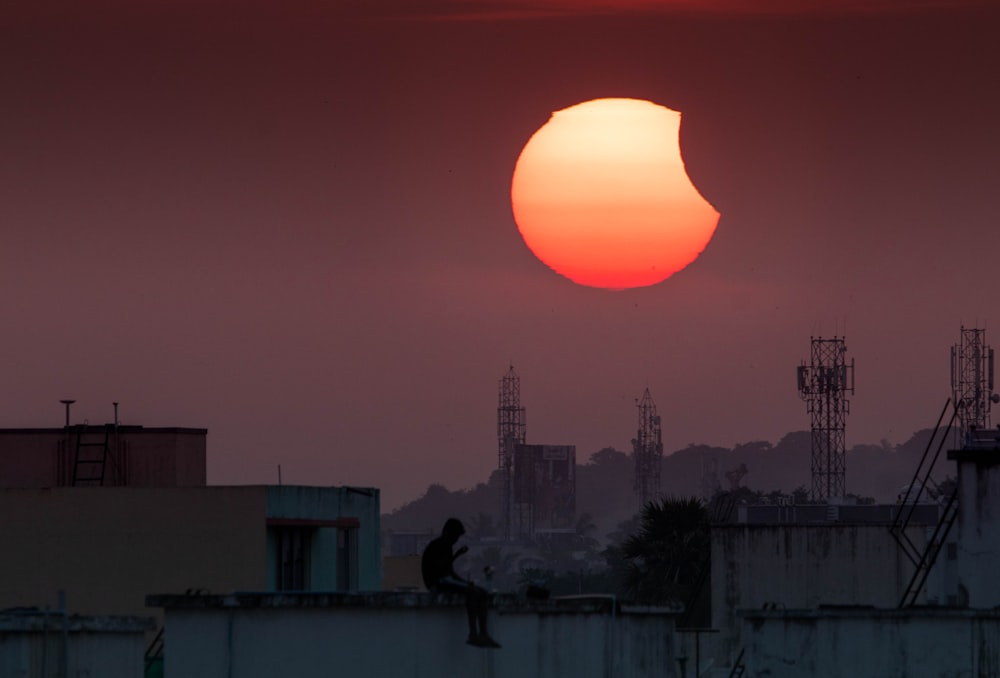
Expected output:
{"points": [[387, 635], [48, 643], [860, 641], [803, 566]]}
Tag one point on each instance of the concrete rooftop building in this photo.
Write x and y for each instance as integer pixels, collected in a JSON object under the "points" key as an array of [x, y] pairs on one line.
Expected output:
{"points": [[107, 548], [388, 635], [872, 634], [107, 455], [102, 516]]}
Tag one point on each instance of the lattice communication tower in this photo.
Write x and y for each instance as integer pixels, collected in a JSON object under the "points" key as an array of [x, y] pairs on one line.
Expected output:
{"points": [[510, 433], [647, 450], [972, 381], [824, 384]]}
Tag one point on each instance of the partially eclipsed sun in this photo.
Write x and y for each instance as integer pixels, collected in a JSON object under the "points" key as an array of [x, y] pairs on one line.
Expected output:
{"points": [[600, 195]]}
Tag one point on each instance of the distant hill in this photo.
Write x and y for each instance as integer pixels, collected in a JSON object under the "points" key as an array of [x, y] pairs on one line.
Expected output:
{"points": [[604, 481]]}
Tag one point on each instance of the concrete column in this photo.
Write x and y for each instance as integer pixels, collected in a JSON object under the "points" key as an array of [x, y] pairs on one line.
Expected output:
{"points": [[978, 556]]}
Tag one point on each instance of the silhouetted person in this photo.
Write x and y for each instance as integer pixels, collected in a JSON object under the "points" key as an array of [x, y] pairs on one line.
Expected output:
{"points": [[438, 569]]}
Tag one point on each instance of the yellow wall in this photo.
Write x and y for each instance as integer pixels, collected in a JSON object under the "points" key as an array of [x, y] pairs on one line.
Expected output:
{"points": [[401, 572], [110, 547]]}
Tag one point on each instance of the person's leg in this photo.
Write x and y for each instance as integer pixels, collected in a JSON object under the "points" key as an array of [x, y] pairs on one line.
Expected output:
{"points": [[451, 586], [470, 610], [480, 600]]}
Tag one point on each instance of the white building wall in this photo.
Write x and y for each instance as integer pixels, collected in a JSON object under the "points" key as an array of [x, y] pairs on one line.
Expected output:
{"points": [[950, 642], [978, 557], [802, 566], [33, 645], [392, 635], [936, 643]]}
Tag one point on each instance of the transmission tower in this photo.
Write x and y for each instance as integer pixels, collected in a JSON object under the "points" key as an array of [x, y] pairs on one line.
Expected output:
{"points": [[972, 381], [510, 433], [824, 384], [647, 450]]}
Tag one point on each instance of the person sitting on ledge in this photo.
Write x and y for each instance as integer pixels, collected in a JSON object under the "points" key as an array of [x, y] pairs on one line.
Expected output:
{"points": [[438, 569]]}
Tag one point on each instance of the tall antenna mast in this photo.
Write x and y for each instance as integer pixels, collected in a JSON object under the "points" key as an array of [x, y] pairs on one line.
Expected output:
{"points": [[647, 450], [510, 433], [824, 384], [972, 382]]}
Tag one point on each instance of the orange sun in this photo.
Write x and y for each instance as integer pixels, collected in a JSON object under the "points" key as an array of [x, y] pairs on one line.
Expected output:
{"points": [[600, 195]]}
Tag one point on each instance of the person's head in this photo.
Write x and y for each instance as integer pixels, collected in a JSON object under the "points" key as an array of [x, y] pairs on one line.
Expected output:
{"points": [[453, 529]]}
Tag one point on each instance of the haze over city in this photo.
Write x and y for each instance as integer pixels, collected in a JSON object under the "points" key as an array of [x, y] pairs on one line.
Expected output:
{"points": [[290, 223]]}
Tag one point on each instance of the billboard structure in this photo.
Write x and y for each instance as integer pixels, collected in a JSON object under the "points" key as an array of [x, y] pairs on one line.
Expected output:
{"points": [[544, 488]]}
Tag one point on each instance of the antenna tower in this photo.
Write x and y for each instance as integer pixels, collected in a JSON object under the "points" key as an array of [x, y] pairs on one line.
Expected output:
{"points": [[647, 450], [972, 381], [510, 433], [824, 384]]}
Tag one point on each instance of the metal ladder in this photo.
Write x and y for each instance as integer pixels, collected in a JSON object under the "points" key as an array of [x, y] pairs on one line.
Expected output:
{"points": [[91, 458], [153, 658], [739, 668], [924, 559]]}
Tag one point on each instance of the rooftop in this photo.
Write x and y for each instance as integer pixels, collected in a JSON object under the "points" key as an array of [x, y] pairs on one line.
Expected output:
{"points": [[502, 602], [27, 620]]}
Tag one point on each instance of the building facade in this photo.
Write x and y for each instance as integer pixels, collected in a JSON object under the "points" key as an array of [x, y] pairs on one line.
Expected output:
{"points": [[107, 548], [880, 637], [798, 558]]}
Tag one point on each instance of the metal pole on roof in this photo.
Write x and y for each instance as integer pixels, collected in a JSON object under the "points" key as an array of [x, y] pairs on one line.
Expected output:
{"points": [[64, 656], [67, 403], [65, 469]]}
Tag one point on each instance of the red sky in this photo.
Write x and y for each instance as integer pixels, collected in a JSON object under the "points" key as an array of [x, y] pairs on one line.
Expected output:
{"points": [[290, 223]]}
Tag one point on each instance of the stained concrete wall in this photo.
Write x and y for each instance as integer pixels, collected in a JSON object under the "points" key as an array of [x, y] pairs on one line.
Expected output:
{"points": [[165, 457], [140, 457], [802, 566], [931, 642], [34, 645], [28, 457], [875, 641], [388, 635], [978, 556]]}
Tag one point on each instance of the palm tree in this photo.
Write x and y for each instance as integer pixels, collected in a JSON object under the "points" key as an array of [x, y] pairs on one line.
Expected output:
{"points": [[666, 555]]}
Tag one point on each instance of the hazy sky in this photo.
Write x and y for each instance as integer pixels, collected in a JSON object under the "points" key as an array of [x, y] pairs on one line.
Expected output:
{"points": [[290, 223]]}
